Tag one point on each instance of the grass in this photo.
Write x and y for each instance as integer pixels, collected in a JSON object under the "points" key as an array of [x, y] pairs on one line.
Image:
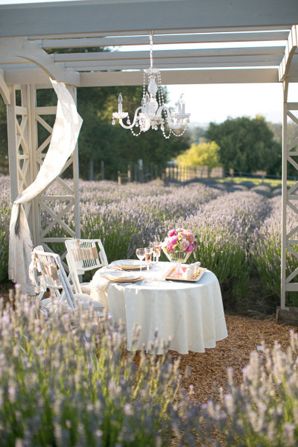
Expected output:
{"points": [[273, 183]]}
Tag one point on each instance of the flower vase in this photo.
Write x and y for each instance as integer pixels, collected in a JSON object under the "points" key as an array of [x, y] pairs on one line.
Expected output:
{"points": [[178, 258]]}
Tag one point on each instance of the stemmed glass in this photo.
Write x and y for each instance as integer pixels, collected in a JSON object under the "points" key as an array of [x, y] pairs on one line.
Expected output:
{"points": [[148, 254], [156, 248], [140, 252]]}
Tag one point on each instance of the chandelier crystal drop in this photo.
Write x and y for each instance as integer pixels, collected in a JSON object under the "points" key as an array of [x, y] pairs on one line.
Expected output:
{"points": [[153, 112]]}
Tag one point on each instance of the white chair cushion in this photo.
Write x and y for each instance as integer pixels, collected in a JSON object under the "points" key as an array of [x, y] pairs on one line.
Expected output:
{"points": [[85, 287], [85, 301]]}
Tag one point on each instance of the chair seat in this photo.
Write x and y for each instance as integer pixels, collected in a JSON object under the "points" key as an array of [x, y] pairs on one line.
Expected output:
{"points": [[85, 286], [85, 302], [48, 305]]}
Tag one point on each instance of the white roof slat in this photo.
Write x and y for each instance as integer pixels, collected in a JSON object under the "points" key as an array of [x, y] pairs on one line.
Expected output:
{"points": [[116, 41], [104, 79], [130, 16], [218, 61], [219, 76], [168, 54]]}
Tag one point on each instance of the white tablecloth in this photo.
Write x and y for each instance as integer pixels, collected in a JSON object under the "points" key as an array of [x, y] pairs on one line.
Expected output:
{"points": [[188, 315]]}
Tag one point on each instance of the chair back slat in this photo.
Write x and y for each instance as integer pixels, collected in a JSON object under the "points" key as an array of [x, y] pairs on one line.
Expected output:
{"points": [[51, 276], [84, 255]]}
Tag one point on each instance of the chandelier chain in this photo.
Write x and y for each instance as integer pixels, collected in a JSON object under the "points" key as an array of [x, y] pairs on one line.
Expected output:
{"points": [[151, 50]]}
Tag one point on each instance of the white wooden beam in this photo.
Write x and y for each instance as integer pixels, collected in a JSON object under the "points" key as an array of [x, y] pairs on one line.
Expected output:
{"points": [[293, 71], [67, 18], [27, 50], [169, 54], [190, 38], [28, 76], [290, 50], [96, 79], [4, 90], [182, 77], [182, 63]]}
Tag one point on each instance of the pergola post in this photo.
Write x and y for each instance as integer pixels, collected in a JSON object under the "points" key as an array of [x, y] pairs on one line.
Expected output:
{"points": [[62, 197], [12, 144], [76, 178], [284, 198], [289, 244], [22, 142], [29, 136]]}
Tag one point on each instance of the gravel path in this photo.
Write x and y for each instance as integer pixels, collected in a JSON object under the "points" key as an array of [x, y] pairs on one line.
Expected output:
{"points": [[207, 372]]}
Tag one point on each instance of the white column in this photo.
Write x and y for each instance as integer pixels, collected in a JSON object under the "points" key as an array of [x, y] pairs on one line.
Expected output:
{"points": [[12, 144], [76, 179], [284, 198]]}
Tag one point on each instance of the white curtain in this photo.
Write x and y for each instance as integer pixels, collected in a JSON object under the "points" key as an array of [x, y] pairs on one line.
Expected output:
{"points": [[63, 142]]}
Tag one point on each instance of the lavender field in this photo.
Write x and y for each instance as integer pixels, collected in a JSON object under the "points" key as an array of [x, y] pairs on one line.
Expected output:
{"points": [[237, 230], [68, 381]]}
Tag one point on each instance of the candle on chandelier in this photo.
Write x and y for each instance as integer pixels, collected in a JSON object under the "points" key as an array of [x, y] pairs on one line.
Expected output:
{"points": [[120, 103]]}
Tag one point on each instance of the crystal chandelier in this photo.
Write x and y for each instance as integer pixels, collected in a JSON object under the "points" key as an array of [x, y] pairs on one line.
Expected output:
{"points": [[153, 112]]}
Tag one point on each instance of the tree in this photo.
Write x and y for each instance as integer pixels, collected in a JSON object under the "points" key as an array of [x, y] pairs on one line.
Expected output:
{"points": [[197, 134], [203, 154], [116, 147], [246, 145]]}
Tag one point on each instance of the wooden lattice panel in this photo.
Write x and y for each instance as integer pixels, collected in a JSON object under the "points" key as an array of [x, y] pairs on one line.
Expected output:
{"points": [[53, 216], [291, 211]]}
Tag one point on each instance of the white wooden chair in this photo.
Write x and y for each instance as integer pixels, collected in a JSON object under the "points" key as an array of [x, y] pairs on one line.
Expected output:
{"points": [[84, 255], [49, 275]]}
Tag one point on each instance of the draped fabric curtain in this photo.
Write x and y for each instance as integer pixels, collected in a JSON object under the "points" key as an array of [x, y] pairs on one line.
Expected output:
{"points": [[63, 142]]}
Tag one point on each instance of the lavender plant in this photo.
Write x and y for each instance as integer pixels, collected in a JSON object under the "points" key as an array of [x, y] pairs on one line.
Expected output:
{"points": [[225, 228], [4, 225], [262, 411], [266, 251], [68, 381], [136, 220]]}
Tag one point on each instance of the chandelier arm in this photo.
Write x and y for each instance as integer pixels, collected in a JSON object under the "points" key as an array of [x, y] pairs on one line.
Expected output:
{"points": [[135, 119], [169, 118]]}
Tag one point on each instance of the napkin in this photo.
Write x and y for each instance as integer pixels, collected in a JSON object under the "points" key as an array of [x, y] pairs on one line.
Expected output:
{"points": [[99, 290], [100, 284], [125, 279], [127, 267], [192, 270]]}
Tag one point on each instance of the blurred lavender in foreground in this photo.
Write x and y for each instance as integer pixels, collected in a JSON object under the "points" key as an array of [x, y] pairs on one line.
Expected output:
{"points": [[68, 381]]}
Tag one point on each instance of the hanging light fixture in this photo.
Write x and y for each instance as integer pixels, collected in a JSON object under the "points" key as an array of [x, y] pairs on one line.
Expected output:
{"points": [[153, 112]]}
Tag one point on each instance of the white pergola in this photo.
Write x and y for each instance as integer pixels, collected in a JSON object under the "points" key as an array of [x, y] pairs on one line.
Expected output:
{"points": [[252, 42]]}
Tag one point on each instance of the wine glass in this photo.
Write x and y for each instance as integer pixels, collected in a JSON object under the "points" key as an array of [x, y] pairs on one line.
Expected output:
{"points": [[148, 254], [140, 252], [156, 248]]}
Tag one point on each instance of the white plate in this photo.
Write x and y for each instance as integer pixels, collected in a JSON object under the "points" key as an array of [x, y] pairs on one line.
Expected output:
{"points": [[120, 274], [122, 277], [135, 264]]}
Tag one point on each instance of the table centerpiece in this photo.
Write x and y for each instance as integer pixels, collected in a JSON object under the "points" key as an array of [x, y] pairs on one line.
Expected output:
{"points": [[178, 245]]}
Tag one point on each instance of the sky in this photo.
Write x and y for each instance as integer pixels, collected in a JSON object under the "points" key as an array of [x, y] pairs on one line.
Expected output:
{"points": [[217, 102]]}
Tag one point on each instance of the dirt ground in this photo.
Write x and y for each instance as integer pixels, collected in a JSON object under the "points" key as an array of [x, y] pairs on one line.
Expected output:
{"points": [[207, 372]]}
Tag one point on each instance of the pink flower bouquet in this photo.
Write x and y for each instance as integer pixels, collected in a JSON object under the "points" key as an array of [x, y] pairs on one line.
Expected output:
{"points": [[179, 244]]}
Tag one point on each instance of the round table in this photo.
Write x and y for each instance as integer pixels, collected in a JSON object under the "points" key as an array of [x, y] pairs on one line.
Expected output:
{"points": [[187, 316]]}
